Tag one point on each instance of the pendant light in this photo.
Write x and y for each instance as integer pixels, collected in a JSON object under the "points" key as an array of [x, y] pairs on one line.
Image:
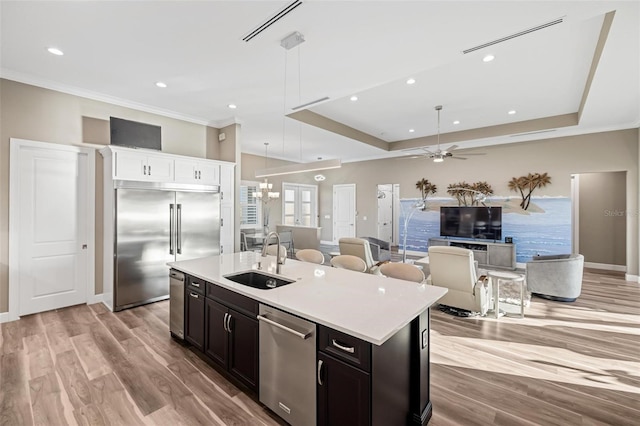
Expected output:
{"points": [[266, 194], [292, 40]]}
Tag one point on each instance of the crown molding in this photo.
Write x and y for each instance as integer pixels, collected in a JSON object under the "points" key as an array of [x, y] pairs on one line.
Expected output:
{"points": [[88, 94]]}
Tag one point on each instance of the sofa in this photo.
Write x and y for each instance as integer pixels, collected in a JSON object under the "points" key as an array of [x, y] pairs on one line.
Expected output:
{"points": [[556, 277]]}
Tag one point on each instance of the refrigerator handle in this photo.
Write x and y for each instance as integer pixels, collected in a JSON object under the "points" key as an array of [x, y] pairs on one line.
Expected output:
{"points": [[179, 231], [171, 229]]}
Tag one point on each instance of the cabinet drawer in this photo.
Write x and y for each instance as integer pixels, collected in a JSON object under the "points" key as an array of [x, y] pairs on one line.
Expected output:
{"points": [[237, 301], [347, 348], [196, 285]]}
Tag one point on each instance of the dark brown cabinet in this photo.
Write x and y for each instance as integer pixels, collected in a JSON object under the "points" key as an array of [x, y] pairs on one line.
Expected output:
{"points": [[358, 383], [232, 341], [194, 324], [344, 393]]}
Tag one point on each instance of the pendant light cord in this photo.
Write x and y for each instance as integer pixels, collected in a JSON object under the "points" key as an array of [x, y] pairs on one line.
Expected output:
{"points": [[299, 102]]}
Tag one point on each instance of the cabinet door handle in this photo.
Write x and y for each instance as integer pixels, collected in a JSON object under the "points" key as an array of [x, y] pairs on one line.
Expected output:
{"points": [[195, 284], [149, 170], [224, 322], [144, 170], [349, 349], [229, 323], [199, 174], [320, 372], [194, 295], [195, 174]]}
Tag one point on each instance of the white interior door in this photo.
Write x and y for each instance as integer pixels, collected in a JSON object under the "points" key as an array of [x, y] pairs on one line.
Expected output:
{"points": [[344, 211], [385, 212], [51, 268], [299, 205]]}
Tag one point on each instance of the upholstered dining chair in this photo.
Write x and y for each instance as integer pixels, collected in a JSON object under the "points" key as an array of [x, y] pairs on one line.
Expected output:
{"points": [[454, 268], [286, 239], [347, 261], [310, 255], [358, 247], [402, 271], [271, 251]]}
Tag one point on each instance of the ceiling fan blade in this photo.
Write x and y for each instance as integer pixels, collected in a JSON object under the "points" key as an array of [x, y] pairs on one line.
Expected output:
{"points": [[474, 153], [451, 148], [457, 158]]}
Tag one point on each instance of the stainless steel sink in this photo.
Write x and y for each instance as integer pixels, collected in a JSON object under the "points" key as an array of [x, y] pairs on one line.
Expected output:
{"points": [[258, 280]]}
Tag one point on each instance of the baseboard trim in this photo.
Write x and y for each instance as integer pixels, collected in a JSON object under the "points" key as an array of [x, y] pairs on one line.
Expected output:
{"points": [[627, 277], [4, 317], [605, 266], [96, 298]]}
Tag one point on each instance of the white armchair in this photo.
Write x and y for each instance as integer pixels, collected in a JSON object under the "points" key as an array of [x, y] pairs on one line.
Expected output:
{"points": [[358, 247], [454, 268]]}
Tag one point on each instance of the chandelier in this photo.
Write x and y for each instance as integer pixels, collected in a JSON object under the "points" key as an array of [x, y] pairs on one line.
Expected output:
{"points": [[265, 192]]}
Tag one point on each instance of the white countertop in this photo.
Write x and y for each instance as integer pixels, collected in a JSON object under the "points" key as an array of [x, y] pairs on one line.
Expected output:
{"points": [[370, 307]]}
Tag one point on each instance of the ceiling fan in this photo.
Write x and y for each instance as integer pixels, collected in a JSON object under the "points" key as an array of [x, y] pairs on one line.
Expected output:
{"points": [[439, 154]]}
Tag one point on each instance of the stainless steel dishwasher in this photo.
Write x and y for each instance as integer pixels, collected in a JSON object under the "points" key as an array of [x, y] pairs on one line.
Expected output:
{"points": [[287, 366], [176, 303]]}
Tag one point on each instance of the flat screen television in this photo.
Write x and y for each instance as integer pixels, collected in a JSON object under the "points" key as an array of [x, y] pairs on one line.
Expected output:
{"points": [[471, 222], [134, 134]]}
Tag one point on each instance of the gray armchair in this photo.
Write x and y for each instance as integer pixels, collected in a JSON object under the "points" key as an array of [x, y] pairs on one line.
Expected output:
{"points": [[557, 277], [380, 249]]}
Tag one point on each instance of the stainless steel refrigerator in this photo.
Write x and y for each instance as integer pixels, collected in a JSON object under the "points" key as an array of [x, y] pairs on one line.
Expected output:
{"points": [[156, 224]]}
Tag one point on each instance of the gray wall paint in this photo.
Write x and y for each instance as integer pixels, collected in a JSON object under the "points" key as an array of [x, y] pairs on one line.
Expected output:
{"points": [[33, 113], [602, 217], [560, 157]]}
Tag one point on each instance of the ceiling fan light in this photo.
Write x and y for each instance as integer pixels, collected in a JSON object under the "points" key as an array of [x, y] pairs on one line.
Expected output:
{"points": [[438, 159]]}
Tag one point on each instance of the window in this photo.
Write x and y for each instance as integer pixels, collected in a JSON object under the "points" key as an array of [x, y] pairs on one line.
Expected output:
{"points": [[250, 206]]}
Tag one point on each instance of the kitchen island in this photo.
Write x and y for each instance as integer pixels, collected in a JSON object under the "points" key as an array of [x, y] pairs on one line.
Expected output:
{"points": [[372, 331]]}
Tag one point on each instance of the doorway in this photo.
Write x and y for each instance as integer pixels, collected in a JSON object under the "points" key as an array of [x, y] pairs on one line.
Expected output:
{"points": [[384, 196], [599, 216], [299, 205], [344, 211], [51, 226]]}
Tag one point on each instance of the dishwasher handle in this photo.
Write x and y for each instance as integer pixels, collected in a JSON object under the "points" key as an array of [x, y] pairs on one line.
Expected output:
{"points": [[303, 336], [320, 372]]}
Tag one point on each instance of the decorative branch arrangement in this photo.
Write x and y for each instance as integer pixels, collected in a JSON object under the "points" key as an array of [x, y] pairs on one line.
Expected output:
{"points": [[426, 188], [527, 184], [466, 193]]}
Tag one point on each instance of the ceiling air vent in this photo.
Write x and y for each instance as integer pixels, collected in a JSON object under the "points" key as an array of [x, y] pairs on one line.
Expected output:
{"points": [[272, 20], [518, 34], [533, 133]]}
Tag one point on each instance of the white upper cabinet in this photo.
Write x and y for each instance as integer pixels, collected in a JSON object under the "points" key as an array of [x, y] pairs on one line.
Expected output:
{"points": [[195, 171], [143, 166]]}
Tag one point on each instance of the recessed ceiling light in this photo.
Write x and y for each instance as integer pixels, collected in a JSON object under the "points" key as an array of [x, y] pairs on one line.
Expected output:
{"points": [[55, 51], [161, 84], [319, 178], [354, 98], [411, 81], [411, 130], [488, 58], [232, 106], [456, 122], [513, 111]]}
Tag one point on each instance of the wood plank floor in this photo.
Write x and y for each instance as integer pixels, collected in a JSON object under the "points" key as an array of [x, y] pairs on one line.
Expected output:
{"points": [[563, 364]]}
